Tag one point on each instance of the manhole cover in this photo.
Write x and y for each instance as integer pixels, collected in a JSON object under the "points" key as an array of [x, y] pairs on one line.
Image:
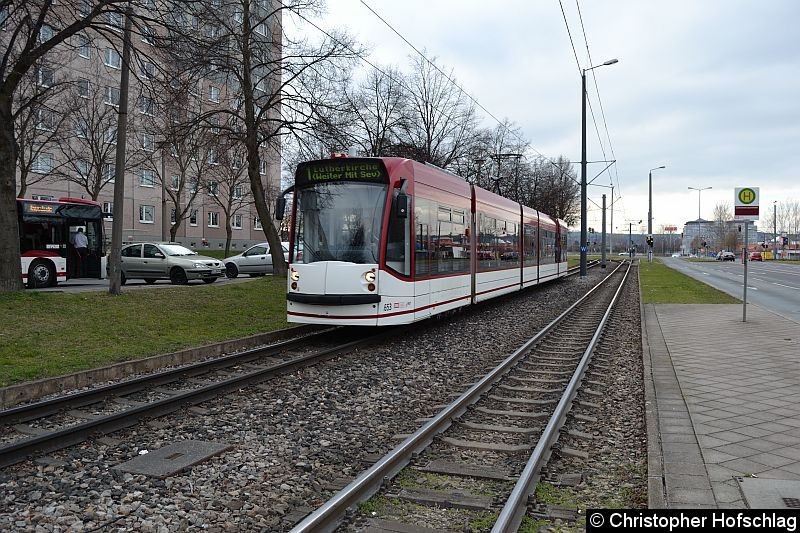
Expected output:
{"points": [[762, 493], [170, 459]]}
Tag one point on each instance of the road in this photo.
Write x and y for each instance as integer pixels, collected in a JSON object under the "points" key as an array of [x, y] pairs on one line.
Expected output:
{"points": [[85, 285], [774, 286]]}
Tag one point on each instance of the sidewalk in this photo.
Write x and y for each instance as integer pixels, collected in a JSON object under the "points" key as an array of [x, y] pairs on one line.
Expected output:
{"points": [[723, 407]]}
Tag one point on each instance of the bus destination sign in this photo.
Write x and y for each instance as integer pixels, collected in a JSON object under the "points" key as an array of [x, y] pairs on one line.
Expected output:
{"points": [[364, 170], [40, 209]]}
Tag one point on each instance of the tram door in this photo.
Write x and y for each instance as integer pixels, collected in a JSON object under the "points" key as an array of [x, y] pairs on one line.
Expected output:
{"points": [[422, 260]]}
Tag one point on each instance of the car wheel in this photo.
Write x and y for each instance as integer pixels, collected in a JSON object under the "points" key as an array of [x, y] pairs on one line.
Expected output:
{"points": [[41, 274], [149, 281], [178, 276], [231, 270], [209, 281], [122, 279]]}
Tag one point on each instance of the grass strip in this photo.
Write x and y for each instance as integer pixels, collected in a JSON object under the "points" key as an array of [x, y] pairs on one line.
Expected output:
{"points": [[52, 334], [664, 285]]}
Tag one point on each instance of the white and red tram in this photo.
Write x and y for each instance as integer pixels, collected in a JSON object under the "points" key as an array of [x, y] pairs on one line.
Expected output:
{"points": [[382, 241]]}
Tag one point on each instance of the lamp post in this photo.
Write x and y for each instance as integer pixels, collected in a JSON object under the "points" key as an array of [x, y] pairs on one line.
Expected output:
{"points": [[775, 230], [650, 211], [583, 164], [698, 199]]}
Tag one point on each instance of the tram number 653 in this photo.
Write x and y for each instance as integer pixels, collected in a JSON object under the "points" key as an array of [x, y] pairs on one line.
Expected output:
{"points": [[387, 307]]}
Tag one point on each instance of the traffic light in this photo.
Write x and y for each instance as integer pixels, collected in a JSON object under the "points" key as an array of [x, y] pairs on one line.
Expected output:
{"points": [[786, 241], [649, 240]]}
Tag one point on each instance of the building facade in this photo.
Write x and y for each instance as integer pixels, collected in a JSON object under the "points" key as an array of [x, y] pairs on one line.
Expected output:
{"points": [[200, 173]]}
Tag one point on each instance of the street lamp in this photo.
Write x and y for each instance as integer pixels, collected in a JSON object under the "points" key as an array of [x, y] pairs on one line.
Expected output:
{"points": [[698, 200], [584, 221], [650, 211]]}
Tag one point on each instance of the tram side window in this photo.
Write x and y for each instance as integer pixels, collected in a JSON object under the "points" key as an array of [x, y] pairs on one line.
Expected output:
{"points": [[441, 242], [529, 245], [548, 246], [508, 242], [488, 257], [563, 247], [398, 240]]}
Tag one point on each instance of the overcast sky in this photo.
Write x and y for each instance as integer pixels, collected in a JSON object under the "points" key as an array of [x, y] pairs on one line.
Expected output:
{"points": [[708, 88]]}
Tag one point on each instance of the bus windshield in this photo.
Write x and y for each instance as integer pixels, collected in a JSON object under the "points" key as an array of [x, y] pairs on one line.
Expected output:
{"points": [[339, 221]]}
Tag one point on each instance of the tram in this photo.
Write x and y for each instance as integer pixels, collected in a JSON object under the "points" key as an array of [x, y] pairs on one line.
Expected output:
{"points": [[385, 241]]}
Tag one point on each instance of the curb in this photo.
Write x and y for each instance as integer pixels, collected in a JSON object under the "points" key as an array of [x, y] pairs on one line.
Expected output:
{"points": [[33, 390], [656, 488]]}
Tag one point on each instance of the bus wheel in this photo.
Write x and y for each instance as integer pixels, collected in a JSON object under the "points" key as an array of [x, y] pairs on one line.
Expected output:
{"points": [[178, 276], [41, 274]]}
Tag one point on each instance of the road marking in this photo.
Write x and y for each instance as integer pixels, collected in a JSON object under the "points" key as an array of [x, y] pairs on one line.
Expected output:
{"points": [[787, 286]]}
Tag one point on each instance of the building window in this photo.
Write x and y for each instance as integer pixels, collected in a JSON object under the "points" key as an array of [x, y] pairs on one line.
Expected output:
{"points": [[109, 172], [112, 96], [84, 46], [81, 128], [147, 214], [45, 77], [45, 197], [148, 35], [257, 223], [147, 178], [212, 157], [82, 84], [193, 186], [236, 222], [262, 166], [110, 135], [108, 210], [172, 216], [213, 219], [113, 59], [116, 20], [213, 94], [237, 192], [42, 164], [82, 167], [148, 70], [45, 33], [147, 106], [45, 120], [193, 217], [148, 142], [213, 188], [176, 182], [214, 124], [85, 7]]}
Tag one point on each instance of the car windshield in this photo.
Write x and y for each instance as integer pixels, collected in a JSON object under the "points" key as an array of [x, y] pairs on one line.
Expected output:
{"points": [[176, 249], [340, 222]]}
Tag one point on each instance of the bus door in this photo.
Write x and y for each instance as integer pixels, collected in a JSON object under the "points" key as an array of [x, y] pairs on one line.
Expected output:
{"points": [[94, 267]]}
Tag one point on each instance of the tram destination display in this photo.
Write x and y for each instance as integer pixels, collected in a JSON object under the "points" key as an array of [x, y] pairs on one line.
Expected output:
{"points": [[361, 170]]}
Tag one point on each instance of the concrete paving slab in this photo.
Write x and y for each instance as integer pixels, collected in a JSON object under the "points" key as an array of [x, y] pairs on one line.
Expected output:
{"points": [[741, 388]]}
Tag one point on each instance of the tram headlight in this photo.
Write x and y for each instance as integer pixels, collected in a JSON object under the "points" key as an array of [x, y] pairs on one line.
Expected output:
{"points": [[295, 275], [370, 276]]}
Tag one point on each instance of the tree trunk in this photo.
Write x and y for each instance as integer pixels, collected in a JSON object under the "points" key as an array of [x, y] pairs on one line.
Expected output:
{"points": [[228, 236], [10, 270], [23, 186]]}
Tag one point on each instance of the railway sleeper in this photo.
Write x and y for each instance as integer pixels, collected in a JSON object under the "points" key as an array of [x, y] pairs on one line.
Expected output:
{"points": [[454, 499], [487, 446], [502, 429], [439, 466]]}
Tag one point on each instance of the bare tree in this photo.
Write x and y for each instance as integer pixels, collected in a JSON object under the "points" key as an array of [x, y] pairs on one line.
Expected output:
{"points": [[441, 120], [41, 118], [722, 216], [274, 81], [229, 188]]}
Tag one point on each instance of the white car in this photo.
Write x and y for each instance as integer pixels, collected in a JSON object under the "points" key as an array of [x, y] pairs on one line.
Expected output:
{"points": [[255, 261], [676, 255]]}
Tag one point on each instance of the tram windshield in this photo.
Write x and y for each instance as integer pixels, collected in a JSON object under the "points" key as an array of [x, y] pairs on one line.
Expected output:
{"points": [[339, 221]]}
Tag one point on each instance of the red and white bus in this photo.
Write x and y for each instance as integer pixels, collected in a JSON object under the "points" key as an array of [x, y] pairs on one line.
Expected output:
{"points": [[46, 234], [383, 241]]}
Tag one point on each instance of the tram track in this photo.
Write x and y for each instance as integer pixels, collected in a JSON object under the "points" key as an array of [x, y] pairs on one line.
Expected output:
{"points": [[485, 436], [53, 424]]}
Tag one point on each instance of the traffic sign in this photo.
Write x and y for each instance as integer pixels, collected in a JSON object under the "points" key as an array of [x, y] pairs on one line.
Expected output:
{"points": [[583, 249], [746, 203]]}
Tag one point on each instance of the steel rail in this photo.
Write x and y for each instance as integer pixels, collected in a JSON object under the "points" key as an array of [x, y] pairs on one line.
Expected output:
{"points": [[22, 449], [43, 408], [514, 510], [328, 516]]}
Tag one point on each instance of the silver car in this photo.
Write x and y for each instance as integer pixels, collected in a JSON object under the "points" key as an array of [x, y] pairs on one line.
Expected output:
{"points": [[152, 261], [255, 261]]}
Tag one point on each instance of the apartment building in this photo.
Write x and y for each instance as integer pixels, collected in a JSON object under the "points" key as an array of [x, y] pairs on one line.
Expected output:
{"points": [[204, 170]]}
